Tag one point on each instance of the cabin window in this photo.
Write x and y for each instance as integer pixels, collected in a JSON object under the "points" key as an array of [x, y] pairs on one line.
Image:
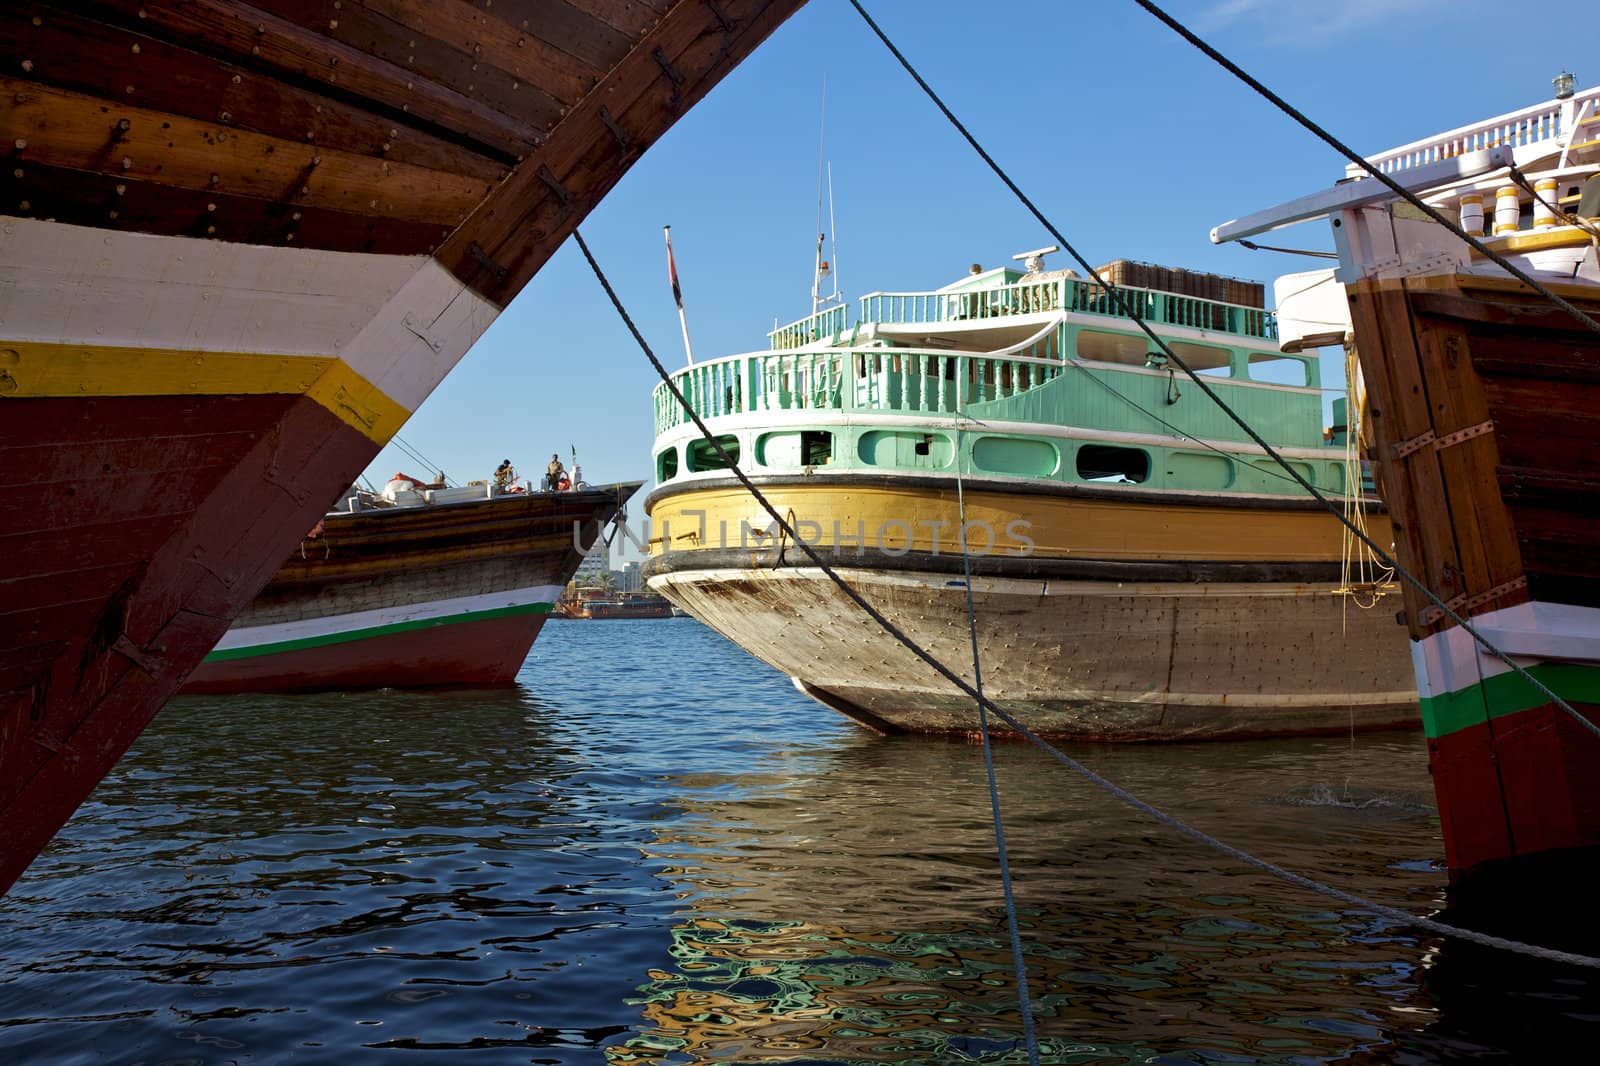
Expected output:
{"points": [[1102, 462], [795, 448], [1106, 347], [1279, 479], [703, 456], [1011, 455], [667, 465], [1187, 470], [1204, 358], [816, 447], [924, 451], [1275, 369]]}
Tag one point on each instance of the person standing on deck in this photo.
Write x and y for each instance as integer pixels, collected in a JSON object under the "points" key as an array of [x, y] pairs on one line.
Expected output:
{"points": [[553, 472]]}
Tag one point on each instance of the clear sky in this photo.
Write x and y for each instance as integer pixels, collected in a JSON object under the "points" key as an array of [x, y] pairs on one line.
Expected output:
{"points": [[1132, 142]]}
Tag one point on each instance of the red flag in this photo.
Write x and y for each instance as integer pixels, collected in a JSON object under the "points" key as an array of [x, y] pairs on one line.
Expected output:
{"points": [[672, 271]]}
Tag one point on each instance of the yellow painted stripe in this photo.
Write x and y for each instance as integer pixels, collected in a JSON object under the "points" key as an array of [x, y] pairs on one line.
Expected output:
{"points": [[1059, 527], [33, 369], [358, 402]]}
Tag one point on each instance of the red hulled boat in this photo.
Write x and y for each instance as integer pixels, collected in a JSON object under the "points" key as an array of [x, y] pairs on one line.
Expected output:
{"points": [[239, 243]]}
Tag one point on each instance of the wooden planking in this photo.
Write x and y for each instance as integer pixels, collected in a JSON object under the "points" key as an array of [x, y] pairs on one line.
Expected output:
{"points": [[72, 51], [240, 33], [410, 47], [122, 664], [506, 241], [1538, 372], [1485, 537], [109, 202], [283, 601], [1399, 411], [60, 128], [632, 17], [525, 49]]}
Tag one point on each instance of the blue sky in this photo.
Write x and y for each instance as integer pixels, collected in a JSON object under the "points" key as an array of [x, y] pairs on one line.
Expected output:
{"points": [[1132, 142]]}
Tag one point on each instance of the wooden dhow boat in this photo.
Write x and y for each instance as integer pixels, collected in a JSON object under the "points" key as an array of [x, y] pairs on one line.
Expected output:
{"points": [[412, 588], [239, 243], [1140, 570], [1485, 412]]}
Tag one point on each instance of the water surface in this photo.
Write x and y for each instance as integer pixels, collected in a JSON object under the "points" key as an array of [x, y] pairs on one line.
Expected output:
{"points": [[654, 851]]}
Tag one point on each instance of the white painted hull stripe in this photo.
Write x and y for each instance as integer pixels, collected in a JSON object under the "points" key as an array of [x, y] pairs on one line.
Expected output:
{"points": [[330, 625], [1530, 632], [401, 322]]}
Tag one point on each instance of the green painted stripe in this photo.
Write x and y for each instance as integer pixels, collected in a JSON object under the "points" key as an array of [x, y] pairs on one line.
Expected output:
{"points": [[1507, 694], [374, 631]]}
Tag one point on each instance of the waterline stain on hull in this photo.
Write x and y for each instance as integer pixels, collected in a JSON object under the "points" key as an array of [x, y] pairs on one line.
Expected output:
{"points": [[1074, 659]]}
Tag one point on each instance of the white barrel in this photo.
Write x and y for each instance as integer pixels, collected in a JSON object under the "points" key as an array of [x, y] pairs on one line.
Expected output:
{"points": [[1544, 210], [1472, 213], [1507, 210]]}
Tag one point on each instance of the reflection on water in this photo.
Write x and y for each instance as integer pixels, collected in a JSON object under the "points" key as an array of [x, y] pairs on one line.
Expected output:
{"points": [[852, 913], [655, 852]]}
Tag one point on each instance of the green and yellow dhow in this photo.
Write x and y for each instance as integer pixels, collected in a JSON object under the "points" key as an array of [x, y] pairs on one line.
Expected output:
{"points": [[1139, 569]]}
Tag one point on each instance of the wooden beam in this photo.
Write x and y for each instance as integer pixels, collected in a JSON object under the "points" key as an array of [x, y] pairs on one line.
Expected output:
{"points": [[69, 50], [235, 32], [512, 234]]}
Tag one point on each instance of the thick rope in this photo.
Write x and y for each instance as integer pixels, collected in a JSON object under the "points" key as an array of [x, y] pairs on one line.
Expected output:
{"points": [[1355, 157], [1029, 1035], [1127, 311], [1392, 913]]}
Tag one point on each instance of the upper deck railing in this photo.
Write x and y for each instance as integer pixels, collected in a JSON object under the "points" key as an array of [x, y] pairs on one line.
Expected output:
{"points": [[826, 324], [1547, 121], [1068, 294], [898, 380]]}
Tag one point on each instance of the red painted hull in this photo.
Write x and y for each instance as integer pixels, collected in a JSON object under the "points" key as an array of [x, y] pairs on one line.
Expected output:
{"points": [[1517, 786], [482, 652], [135, 530]]}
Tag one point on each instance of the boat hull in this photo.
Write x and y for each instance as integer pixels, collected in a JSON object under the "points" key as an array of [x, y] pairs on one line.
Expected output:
{"points": [[1174, 621], [1501, 521], [423, 596], [1069, 659], [239, 245], [449, 652]]}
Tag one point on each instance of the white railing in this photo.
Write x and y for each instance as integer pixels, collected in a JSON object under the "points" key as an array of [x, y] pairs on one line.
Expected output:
{"points": [[1548, 121]]}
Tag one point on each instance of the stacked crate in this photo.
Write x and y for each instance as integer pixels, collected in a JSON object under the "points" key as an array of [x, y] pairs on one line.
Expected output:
{"points": [[1215, 288]]}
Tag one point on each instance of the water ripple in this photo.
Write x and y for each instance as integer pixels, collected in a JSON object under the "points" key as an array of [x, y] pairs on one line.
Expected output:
{"points": [[655, 852]]}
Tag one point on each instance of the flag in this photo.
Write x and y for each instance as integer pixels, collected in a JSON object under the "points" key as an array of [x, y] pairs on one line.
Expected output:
{"points": [[672, 271]]}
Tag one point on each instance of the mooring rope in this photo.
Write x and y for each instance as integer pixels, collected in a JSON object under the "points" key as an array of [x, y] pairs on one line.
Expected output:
{"points": [[1029, 1034], [1127, 311], [1383, 910], [1361, 161]]}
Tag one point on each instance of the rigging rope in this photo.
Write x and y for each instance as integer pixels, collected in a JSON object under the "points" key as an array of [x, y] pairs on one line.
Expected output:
{"points": [[1393, 913], [1029, 1035], [1125, 306], [1355, 157]]}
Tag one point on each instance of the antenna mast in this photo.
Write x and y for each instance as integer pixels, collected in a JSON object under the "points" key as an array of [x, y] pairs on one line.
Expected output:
{"points": [[833, 228], [822, 132]]}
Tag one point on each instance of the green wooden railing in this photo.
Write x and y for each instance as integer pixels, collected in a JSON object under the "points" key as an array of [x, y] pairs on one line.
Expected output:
{"points": [[1071, 294], [897, 380], [826, 324]]}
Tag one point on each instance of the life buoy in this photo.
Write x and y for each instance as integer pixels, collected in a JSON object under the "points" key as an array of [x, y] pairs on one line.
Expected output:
{"points": [[563, 485]]}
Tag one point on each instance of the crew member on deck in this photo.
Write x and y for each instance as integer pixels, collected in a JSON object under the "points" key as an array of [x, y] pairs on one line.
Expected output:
{"points": [[552, 473], [504, 475]]}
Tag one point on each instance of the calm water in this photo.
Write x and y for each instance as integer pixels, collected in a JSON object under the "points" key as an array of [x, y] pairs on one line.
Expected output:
{"points": [[656, 852]]}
